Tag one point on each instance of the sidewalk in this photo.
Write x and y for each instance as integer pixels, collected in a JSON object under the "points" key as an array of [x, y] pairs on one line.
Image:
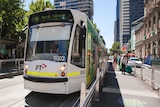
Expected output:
{"points": [[120, 90]]}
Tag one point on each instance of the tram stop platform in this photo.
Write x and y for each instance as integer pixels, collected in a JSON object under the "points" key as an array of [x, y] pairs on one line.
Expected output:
{"points": [[121, 90]]}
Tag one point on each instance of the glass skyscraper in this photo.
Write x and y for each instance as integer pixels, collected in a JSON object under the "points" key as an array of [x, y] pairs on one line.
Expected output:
{"points": [[127, 12], [85, 6]]}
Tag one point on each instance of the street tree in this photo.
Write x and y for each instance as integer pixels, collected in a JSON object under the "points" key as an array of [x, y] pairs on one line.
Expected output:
{"points": [[38, 6], [115, 48], [12, 17]]}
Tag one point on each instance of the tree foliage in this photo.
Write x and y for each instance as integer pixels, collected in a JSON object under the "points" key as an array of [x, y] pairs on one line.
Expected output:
{"points": [[12, 17], [115, 48], [38, 6], [98, 31], [95, 26]]}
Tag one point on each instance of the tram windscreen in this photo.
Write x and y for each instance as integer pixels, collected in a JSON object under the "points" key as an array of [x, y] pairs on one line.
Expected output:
{"points": [[48, 43]]}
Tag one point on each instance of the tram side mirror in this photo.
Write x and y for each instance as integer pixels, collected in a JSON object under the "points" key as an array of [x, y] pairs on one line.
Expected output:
{"points": [[83, 33], [83, 29]]}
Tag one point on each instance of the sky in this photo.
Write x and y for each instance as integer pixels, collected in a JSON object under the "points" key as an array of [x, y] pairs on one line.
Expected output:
{"points": [[104, 17]]}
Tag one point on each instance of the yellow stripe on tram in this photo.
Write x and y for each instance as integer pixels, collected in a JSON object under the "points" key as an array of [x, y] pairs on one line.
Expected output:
{"points": [[70, 74], [48, 74], [33, 73], [43, 74]]}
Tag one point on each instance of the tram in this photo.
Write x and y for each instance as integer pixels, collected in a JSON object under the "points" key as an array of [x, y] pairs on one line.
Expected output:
{"points": [[62, 50]]}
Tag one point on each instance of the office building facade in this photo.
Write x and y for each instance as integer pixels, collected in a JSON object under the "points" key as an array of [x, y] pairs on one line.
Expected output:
{"points": [[129, 11], [148, 36], [85, 6]]}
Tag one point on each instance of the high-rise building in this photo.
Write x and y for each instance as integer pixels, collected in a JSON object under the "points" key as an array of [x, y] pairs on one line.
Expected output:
{"points": [[127, 12], [85, 6], [116, 24]]}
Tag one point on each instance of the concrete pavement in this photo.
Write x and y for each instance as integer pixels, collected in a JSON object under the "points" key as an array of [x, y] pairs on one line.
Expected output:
{"points": [[126, 91]]}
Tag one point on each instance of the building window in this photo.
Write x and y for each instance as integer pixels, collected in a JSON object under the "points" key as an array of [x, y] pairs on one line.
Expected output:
{"points": [[154, 23], [149, 27]]}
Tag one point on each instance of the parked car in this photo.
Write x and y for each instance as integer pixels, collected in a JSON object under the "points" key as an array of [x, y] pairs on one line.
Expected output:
{"points": [[134, 60], [110, 58]]}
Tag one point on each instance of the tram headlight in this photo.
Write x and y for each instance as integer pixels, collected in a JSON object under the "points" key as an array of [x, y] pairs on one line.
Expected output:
{"points": [[25, 68], [62, 69]]}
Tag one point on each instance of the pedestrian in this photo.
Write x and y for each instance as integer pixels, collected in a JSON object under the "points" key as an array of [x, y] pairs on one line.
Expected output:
{"points": [[119, 59], [124, 63], [115, 62]]}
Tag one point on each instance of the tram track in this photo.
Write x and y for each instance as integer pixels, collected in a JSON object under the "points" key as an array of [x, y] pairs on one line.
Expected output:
{"points": [[35, 99], [14, 95]]}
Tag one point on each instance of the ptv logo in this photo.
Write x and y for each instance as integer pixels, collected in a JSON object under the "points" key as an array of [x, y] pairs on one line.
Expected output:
{"points": [[39, 67]]}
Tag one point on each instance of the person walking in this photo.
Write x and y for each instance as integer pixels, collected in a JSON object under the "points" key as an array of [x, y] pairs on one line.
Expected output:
{"points": [[119, 59], [115, 62], [124, 62]]}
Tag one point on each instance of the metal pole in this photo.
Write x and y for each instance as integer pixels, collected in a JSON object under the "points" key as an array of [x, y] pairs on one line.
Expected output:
{"points": [[141, 71], [134, 69], [15, 62], [101, 77], [0, 63], [97, 87], [19, 65], [152, 79], [83, 92]]}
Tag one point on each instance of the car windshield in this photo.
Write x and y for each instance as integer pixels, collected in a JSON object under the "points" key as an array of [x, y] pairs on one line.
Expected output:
{"points": [[135, 59]]}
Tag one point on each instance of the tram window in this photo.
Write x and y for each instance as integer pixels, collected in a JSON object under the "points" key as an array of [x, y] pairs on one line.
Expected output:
{"points": [[78, 49]]}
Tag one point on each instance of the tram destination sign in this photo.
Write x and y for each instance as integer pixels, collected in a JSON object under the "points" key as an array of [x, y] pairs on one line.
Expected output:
{"points": [[51, 16]]}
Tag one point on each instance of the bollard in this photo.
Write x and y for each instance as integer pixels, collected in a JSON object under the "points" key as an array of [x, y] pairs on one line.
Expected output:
{"points": [[97, 87], [141, 72], [83, 92], [152, 79], [101, 78], [134, 69]]}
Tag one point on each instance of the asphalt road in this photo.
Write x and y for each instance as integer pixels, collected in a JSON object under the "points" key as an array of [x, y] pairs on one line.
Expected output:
{"points": [[13, 94]]}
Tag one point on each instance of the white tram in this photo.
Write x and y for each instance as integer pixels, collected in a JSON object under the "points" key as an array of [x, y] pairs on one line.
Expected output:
{"points": [[62, 50]]}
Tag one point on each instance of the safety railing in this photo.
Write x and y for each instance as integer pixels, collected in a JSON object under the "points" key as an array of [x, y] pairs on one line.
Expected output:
{"points": [[88, 96], [148, 73], [11, 67]]}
